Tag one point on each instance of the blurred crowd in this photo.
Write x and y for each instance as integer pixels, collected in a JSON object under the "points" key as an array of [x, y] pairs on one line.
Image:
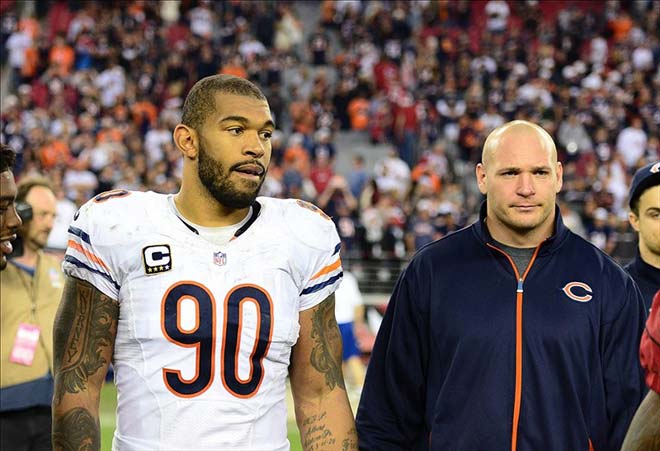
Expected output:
{"points": [[97, 87]]}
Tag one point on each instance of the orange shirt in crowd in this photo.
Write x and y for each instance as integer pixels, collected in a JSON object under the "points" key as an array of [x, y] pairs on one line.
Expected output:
{"points": [[621, 26], [238, 71], [422, 172], [142, 108], [327, 11], [298, 158], [54, 153], [358, 112], [62, 58], [302, 117], [112, 134], [29, 68]]}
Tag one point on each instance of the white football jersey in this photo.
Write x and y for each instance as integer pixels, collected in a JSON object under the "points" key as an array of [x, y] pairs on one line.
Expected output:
{"points": [[205, 331]]}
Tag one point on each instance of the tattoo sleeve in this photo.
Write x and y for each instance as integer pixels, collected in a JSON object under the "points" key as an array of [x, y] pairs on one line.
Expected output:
{"points": [[83, 339], [77, 431], [326, 354]]}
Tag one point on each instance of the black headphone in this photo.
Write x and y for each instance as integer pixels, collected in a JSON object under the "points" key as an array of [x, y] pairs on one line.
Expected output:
{"points": [[24, 211]]}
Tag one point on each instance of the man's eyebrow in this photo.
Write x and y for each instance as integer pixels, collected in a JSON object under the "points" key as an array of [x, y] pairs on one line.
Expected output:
{"points": [[508, 169], [518, 169], [245, 121]]}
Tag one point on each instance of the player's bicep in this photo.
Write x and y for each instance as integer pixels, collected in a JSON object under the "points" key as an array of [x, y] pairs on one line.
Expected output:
{"points": [[83, 338], [316, 360]]}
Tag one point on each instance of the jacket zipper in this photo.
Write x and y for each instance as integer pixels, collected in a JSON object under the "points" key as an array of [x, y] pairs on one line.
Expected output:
{"points": [[517, 397]]}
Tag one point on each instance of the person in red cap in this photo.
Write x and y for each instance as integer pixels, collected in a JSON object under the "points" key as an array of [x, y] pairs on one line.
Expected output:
{"points": [[644, 431]]}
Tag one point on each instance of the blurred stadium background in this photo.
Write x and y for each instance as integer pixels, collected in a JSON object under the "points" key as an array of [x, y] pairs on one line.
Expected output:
{"points": [[382, 106]]}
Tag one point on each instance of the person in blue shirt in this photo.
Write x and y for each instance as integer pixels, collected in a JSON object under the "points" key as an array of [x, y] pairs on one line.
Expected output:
{"points": [[510, 334]]}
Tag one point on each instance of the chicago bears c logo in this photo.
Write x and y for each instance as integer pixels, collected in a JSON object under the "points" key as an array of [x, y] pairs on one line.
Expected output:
{"points": [[574, 291], [655, 168]]}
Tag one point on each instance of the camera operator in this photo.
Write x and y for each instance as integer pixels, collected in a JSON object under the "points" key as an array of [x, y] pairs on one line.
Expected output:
{"points": [[31, 289]]}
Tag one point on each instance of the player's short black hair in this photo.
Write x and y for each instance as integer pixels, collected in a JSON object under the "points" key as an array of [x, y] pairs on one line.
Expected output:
{"points": [[200, 101], [7, 157]]}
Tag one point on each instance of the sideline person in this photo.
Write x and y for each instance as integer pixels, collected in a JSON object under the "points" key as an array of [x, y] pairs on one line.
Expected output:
{"points": [[511, 334]]}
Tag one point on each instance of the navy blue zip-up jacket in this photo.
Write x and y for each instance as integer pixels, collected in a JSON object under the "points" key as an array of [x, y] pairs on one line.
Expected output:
{"points": [[473, 356], [646, 276]]}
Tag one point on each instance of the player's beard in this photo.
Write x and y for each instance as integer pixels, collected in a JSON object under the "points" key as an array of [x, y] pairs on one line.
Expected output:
{"points": [[216, 179]]}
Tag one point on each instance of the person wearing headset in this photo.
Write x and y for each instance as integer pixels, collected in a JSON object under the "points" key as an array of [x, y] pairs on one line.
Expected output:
{"points": [[31, 289]]}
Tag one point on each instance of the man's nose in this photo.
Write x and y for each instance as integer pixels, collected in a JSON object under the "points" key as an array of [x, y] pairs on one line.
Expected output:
{"points": [[255, 146], [526, 185]]}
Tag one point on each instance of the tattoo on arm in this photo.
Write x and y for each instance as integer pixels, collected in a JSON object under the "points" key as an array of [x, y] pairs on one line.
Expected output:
{"points": [[316, 435], [85, 326], [326, 355], [348, 444], [76, 431]]}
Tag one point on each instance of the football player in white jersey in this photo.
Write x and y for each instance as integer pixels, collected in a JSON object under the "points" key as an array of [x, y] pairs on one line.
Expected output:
{"points": [[204, 301]]}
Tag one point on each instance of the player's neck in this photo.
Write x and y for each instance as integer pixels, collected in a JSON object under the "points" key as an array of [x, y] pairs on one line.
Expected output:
{"points": [[200, 210], [505, 235]]}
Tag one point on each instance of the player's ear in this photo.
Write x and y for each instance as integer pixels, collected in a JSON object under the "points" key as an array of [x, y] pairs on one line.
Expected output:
{"points": [[634, 221], [185, 139], [480, 171]]}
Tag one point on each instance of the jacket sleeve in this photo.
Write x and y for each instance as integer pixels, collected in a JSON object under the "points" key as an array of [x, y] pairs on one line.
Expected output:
{"points": [[391, 411], [624, 379]]}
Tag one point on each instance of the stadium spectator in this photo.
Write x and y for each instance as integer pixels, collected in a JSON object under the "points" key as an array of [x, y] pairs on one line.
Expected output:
{"points": [[31, 289], [631, 142]]}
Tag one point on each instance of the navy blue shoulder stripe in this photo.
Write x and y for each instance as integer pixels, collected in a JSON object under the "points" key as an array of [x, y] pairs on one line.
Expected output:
{"points": [[337, 247], [79, 233], [330, 281], [79, 264]]}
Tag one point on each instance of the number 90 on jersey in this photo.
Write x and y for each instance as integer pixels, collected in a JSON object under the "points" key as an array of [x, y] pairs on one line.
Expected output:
{"points": [[201, 335]]}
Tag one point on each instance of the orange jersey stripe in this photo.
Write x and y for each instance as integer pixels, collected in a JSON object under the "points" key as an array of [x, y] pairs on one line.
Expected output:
{"points": [[72, 244], [325, 270]]}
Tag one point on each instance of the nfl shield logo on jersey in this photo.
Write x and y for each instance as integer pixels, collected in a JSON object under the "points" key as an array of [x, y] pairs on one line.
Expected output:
{"points": [[220, 258]]}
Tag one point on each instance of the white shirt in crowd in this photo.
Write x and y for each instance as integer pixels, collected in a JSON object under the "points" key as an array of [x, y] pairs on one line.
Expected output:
{"points": [[347, 298]]}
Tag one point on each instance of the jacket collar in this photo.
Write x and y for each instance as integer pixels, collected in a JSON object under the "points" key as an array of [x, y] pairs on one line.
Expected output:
{"points": [[645, 270], [549, 245]]}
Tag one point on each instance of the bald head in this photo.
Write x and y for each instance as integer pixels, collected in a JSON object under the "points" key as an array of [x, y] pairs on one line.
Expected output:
{"points": [[512, 128]]}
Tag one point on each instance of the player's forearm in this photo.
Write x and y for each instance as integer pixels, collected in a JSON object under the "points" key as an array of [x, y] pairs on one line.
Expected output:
{"points": [[323, 413], [76, 424], [327, 423], [83, 340]]}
